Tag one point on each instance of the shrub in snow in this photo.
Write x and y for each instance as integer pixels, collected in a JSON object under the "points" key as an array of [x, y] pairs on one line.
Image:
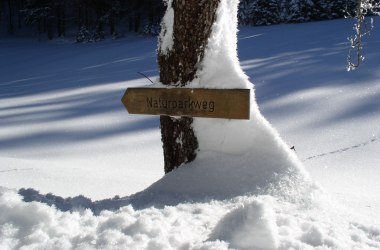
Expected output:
{"points": [[152, 29], [84, 35]]}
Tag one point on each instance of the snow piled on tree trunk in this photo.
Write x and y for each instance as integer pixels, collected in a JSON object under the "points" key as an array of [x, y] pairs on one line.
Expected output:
{"points": [[166, 36], [235, 157]]}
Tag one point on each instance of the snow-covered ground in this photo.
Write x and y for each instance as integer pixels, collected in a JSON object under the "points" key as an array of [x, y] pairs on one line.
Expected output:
{"points": [[63, 130]]}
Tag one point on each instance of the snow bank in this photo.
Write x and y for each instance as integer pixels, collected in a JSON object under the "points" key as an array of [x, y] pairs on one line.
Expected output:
{"points": [[36, 225], [246, 222]]}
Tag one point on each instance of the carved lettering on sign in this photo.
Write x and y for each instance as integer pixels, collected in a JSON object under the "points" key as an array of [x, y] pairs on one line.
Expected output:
{"points": [[189, 104], [213, 103]]}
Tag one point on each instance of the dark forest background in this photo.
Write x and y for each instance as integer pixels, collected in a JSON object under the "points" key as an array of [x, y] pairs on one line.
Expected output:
{"points": [[94, 20]]}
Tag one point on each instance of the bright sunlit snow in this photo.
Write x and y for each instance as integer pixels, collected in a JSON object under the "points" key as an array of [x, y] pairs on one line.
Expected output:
{"points": [[64, 131]]}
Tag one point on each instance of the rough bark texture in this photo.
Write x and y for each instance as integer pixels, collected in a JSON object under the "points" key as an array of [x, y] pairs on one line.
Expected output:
{"points": [[193, 20]]}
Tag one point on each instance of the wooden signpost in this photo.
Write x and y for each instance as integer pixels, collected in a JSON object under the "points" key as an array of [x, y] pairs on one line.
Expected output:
{"points": [[190, 102]]}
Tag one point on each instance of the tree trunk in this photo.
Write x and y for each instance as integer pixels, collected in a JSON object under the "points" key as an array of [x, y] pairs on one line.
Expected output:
{"points": [[60, 13], [137, 21], [193, 20], [19, 13], [10, 24], [112, 23]]}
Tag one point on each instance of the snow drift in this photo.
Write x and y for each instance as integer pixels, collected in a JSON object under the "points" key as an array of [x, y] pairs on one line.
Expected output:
{"points": [[245, 222]]}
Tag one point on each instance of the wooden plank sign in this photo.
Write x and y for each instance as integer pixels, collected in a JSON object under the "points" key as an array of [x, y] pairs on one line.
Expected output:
{"points": [[212, 103]]}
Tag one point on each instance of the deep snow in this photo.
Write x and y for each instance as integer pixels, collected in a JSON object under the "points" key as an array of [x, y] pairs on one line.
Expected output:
{"points": [[63, 130]]}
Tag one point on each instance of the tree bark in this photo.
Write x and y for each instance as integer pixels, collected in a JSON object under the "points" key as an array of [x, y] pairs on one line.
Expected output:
{"points": [[193, 20], [10, 24], [60, 14]]}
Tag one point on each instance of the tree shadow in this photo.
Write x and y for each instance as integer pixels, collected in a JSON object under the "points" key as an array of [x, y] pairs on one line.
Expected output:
{"points": [[33, 67], [315, 61], [278, 70], [45, 84]]}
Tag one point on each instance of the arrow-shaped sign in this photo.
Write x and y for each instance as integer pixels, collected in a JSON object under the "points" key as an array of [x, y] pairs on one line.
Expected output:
{"points": [[212, 103]]}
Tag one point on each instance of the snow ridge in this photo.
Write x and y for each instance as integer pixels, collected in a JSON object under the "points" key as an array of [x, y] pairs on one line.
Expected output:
{"points": [[244, 222]]}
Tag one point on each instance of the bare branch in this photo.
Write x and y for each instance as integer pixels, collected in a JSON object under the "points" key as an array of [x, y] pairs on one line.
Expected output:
{"points": [[361, 28]]}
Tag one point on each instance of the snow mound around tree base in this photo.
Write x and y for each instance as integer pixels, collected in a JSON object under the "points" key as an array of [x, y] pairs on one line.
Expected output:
{"points": [[235, 157]]}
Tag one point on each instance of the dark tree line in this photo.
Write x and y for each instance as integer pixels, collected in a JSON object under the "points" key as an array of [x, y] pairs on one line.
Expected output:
{"points": [[92, 20], [266, 12], [87, 19]]}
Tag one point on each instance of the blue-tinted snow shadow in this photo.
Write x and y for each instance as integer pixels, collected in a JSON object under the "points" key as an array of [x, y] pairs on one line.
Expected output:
{"points": [[277, 66], [71, 108], [60, 137], [30, 67], [285, 59], [80, 202], [59, 75]]}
